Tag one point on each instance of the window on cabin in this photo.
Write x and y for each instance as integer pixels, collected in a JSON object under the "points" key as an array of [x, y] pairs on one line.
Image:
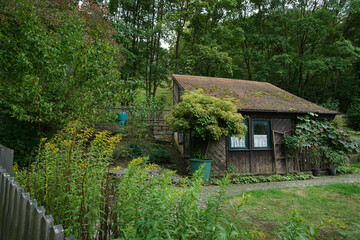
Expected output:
{"points": [[261, 134], [240, 143]]}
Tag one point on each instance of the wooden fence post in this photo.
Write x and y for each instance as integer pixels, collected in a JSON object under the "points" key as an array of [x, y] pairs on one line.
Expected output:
{"points": [[20, 217], [6, 158]]}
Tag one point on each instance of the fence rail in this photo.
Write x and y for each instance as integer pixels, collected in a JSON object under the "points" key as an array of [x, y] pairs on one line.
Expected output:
{"points": [[20, 217]]}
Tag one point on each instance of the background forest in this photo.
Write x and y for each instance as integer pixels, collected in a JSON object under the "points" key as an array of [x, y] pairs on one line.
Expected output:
{"points": [[65, 59], [310, 48]]}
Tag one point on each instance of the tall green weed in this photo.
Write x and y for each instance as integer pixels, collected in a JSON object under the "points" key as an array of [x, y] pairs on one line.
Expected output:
{"points": [[69, 177], [150, 207]]}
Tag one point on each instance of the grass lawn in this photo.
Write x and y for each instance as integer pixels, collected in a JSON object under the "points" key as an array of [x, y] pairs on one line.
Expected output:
{"points": [[266, 210], [166, 91]]}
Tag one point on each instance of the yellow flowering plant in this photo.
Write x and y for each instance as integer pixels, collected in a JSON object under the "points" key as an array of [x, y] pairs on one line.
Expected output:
{"points": [[69, 176]]}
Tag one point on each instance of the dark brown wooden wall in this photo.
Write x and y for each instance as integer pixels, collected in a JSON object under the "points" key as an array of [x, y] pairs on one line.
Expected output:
{"points": [[176, 97], [260, 161], [217, 153]]}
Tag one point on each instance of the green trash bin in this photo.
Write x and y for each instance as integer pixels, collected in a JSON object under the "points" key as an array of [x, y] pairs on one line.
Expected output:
{"points": [[196, 163]]}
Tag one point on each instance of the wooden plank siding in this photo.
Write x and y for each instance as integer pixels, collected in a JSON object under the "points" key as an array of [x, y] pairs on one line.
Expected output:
{"points": [[254, 161], [217, 153]]}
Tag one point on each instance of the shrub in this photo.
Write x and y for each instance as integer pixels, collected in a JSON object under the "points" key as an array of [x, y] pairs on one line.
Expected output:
{"points": [[319, 137], [142, 110], [151, 207], [346, 168], [354, 115], [237, 179], [159, 154], [206, 117], [136, 151], [338, 122], [332, 104], [121, 151]]}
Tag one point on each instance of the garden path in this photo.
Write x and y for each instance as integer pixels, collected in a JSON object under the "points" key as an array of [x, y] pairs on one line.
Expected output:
{"points": [[236, 189]]}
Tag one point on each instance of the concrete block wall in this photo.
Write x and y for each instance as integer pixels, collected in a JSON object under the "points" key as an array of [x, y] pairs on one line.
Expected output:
{"points": [[161, 131]]}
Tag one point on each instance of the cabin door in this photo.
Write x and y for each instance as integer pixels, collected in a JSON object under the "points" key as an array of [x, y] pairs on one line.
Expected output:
{"points": [[282, 164]]}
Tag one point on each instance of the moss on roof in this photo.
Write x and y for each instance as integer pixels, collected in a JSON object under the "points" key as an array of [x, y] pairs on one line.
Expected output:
{"points": [[250, 95]]}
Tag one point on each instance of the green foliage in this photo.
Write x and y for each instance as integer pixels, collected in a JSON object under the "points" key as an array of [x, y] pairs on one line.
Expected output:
{"points": [[335, 158], [296, 229], [147, 108], [332, 104], [159, 154], [354, 232], [207, 61], [151, 207], [57, 63], [346, 168], [69, 178], [136, 151], [338, 122], [354, 114], [142, 111], [244, 179], [121, 151], [206, 117], [319, 137], [141, 27], [22, 136]]}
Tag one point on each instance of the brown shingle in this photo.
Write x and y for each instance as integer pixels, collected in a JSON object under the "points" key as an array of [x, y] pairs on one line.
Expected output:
{"points": [[250, 95]]}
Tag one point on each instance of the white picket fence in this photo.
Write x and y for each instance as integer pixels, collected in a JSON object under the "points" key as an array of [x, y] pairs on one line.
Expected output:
{"points": [[20, 217]]}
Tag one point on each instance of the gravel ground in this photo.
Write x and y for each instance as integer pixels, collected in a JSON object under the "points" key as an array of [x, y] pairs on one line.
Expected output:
{"points": [[236, 189]]}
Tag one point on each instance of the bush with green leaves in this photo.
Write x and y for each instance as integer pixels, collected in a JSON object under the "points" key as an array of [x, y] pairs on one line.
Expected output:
{"points": [[149, 207], [136, 151], [240, 179], [58, 61], [319, 136], [143, 110], [354, 114], [346, 168], [159, 154], [206, 117]]}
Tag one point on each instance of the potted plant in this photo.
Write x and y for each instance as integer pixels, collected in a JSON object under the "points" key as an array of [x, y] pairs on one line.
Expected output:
{"points": [[334, 159], [320, 138], [317, 156], [206, 118]]}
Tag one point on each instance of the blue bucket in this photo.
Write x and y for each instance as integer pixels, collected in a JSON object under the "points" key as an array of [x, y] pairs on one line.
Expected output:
{"points": [[122, 118]]}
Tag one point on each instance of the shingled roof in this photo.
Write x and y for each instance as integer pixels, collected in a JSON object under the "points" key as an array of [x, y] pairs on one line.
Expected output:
{"points": [[251, 95]]}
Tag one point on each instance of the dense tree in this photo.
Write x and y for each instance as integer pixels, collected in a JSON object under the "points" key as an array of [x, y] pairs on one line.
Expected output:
{"points": [[140, 26], [310, 48], [58, 62]]}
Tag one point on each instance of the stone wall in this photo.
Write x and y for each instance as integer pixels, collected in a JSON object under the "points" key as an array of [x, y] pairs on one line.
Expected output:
{"points": [[161, 131]]}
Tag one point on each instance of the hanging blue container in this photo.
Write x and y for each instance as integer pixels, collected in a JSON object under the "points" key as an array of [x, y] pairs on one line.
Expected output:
{"points": [[122, 118]]}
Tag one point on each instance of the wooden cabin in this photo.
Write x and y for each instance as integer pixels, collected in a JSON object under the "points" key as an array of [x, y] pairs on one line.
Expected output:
{"points": [[271, 114]]}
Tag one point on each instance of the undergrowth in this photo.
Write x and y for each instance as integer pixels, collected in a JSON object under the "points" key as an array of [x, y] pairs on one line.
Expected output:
{"points": [[238, 179]]}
